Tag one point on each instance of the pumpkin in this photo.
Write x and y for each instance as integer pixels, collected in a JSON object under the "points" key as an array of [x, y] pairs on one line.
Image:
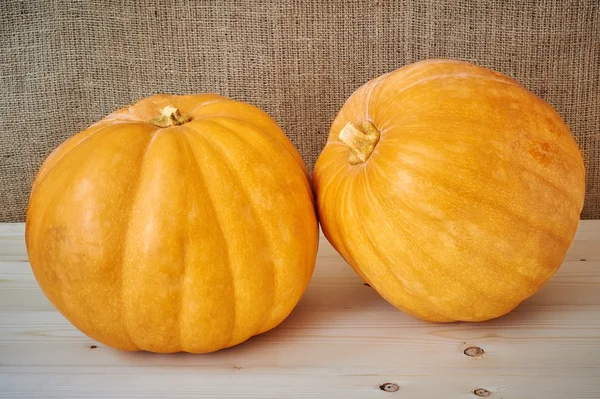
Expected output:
{"points": [[181, 223], [451, 189]]}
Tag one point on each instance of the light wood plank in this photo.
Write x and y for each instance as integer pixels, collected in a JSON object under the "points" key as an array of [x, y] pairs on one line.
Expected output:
{"points": [[342, 341], [248, 384], [12, 242], [339, 337]]}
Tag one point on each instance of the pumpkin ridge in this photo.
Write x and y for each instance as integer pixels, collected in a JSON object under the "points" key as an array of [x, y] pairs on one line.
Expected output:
{"points": [[221, 100], [36, 183], [473, 195], [426, 79], [406, 232], [252, 207], [482, 292], [325, 188], [365, 230], [56, 198], [371, 91], [368, 234], [287, 150], [126, 235], [204, 181], [370, 88], [184, 145], [40, 179], [348, 188], [407, 237], [482, 200], [512, 162]]}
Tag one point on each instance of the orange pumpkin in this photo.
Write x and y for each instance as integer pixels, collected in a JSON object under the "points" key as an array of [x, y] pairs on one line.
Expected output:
{"points": [[451, 189], [187, 229]]}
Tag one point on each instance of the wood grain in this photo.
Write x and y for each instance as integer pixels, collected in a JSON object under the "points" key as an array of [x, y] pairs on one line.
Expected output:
{"points": [[342, 341]]}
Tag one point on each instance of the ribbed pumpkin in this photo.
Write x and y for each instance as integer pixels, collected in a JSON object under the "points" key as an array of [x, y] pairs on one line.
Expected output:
{"points": [[451, 189], [181, 223]]}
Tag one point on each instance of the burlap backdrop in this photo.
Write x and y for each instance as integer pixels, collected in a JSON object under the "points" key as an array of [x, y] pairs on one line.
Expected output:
{"points": [[65, 64]]}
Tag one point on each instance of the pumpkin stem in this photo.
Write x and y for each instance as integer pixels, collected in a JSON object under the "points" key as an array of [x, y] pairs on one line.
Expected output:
{"points": [[361, 140], [170, 116]]}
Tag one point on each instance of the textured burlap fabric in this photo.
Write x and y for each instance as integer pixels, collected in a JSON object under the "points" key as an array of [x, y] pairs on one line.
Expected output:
{"points": [[65, 64]]}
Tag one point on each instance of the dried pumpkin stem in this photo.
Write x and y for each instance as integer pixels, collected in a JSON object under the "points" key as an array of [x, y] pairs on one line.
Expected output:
{"points": [[361, 140], [170, 116]]}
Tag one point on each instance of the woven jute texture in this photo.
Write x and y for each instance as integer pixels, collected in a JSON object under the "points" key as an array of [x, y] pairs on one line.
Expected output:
{"points": [[65, 64]]}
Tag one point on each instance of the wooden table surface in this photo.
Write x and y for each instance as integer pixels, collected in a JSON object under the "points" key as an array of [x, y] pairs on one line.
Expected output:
{"points": [[342, 341]]}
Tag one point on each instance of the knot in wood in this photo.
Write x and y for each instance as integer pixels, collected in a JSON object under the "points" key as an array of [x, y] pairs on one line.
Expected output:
{"points": [[484, 393], [474, 351], [389, 387]]}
